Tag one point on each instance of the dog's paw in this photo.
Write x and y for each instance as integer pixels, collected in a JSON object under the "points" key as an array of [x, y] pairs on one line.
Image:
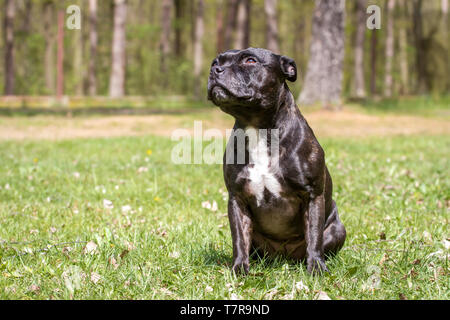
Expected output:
{"points": [[316, 266], [240, 268]]}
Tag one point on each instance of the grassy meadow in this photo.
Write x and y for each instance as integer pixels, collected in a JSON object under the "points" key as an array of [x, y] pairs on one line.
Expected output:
{"points": [[114, 218]]}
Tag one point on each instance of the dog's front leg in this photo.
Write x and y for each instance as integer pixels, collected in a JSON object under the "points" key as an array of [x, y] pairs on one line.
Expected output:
{"points": [[241, 234], [314, 223]]}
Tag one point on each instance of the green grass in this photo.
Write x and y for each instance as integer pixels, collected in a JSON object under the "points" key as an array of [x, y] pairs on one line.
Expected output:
{"points": [[437, 106], [169, 247]]}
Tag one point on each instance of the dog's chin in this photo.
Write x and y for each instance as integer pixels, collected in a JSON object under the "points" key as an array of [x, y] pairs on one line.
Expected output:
{"points": [[220, 96]]}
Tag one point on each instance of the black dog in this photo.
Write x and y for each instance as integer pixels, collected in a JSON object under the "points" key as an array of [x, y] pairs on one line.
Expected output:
{"points": [[274, 208]]}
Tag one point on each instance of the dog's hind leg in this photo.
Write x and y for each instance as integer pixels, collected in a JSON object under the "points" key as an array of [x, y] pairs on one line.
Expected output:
{"points": [[334, 233]]}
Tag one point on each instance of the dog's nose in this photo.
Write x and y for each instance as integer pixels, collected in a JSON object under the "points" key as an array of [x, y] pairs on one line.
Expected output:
{"points": [[218, 69]]}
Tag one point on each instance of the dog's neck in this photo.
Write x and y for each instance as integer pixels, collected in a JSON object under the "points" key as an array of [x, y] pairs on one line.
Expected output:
{"points": [[273, 117]]}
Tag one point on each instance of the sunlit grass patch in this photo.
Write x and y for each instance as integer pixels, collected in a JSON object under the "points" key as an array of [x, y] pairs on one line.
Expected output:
{"points": [[107, 219]]}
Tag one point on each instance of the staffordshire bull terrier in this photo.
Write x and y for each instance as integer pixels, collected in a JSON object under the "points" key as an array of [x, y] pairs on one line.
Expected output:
{"points": [[278, 203]]}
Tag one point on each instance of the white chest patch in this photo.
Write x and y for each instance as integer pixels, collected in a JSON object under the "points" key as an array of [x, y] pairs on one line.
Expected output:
{"points": [[261, 174]]}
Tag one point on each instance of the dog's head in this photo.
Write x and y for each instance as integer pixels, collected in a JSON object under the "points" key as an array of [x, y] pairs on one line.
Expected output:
{"points": [[248, 78]]}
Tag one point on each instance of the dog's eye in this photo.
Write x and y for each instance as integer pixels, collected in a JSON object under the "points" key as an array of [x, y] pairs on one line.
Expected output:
{"points": [[250, 60], [215, 63]]}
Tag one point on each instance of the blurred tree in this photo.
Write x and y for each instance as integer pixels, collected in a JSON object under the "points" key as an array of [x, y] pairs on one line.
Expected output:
{"points": [[10, 11], [389, 48], [323, 81], [49, 35], [164, 42], [93, 43], [270, 7], [373, 61], [152, 66], [243, 25], [180, 6], [198, 45], [219, 33], [230, 23], [26, 23], [78, 45], [420, 46], [359, 90], [445, 36], [60, 55], [403, 47], [117, 78]]}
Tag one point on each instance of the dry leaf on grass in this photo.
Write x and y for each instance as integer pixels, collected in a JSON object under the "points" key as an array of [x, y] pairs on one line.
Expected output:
{"points": [[271, 294], [95, 277], [90, 248], [321, 295], [123, 253], [112, 261], [35, 288]]}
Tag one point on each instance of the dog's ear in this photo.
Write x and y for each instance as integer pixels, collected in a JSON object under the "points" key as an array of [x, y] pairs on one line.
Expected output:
{"points": [[289, 68]]}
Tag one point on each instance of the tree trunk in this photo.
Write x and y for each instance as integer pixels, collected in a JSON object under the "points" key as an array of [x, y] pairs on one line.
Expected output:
{"points": [[403, 54], [243, 25], [444, 10], [49, 57], [359, 86], [26, 23], [404, 73], [373, 62], [420, 46], [78, 59], [9, 46], [198, 45], [117, 79], [270, 7], [389, 49], [179, 12], [60, 56], [445, 26], [93, 42], [323, 81], [219, 19], [164, 42], [231, 23]]}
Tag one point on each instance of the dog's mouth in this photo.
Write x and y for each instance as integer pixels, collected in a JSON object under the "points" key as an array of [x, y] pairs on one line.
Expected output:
{"points": [[220, 95]]}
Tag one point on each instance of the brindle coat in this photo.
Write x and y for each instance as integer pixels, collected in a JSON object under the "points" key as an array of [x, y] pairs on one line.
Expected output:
{"points": [[286, 209]]}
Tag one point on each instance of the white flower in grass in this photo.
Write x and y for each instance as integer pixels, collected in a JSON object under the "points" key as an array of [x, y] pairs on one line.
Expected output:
{"points": [[126, 209], [300, 286], [446, 244], [108, 204], [142, 169], [207, 205], [208, 289]]}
